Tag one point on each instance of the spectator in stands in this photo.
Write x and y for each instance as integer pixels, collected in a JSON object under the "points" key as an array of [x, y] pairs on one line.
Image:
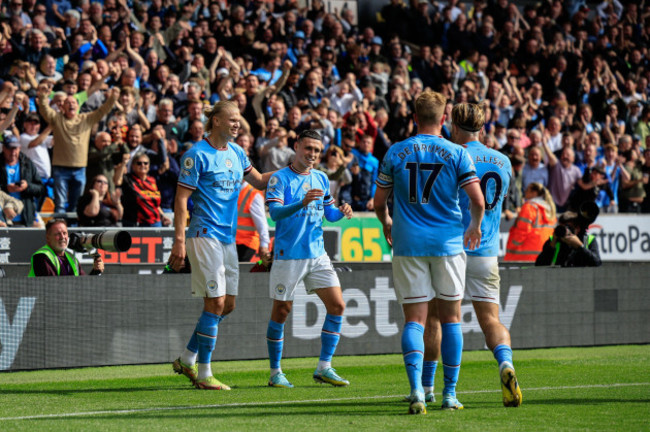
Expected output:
{"points": [[103, 156], [612, 163], [71, 142], [194, 134], [364, 175], [335, 167], [554, 134], [98, 206], [631, 193], [276, 154], [344, 94], [164, 119], [645, 169], [533, 226], [11, 207], [35, 50], [194, 113], [132, 108], [19, 179], [562, 175], [36, 147], [534, 170], [54, 260], [588, 188], [141, 197]]}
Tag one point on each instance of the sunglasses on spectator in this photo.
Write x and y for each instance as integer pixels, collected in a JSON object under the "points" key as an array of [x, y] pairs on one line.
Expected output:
{"points": [[142, 163], [513, 136], [101, 181]]}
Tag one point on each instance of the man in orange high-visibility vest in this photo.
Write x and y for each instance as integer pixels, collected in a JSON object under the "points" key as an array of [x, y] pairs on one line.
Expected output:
{"points": [[252, 226]]}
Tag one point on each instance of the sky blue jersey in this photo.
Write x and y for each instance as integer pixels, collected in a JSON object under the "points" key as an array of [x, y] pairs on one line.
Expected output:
{"points": [[298, 229], [494, 171], [215, 176], [426, 173]]}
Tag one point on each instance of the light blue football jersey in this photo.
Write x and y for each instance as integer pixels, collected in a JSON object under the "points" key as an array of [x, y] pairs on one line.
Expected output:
{"points": [[494, 172], [426, 173], [215, 176], [300, 235]]}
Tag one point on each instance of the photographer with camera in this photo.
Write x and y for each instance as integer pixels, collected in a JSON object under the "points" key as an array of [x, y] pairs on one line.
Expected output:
{"points": [[104, 156], [53, 259], [571, 245]]}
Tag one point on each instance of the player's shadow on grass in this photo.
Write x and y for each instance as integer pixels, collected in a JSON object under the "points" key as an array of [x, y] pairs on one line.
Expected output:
{"points": [[582, 401], [88, 390], [279, 409]]}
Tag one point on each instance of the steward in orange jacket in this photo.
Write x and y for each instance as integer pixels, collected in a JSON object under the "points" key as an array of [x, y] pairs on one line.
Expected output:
{"points": [[533, 226], [252, 226]]}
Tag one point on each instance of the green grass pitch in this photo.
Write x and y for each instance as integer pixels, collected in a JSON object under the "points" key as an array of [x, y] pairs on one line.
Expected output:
{"points": [[601, 388]]}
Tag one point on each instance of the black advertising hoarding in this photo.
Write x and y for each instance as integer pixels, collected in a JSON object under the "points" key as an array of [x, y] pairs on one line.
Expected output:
{"points": [[136, 319]]}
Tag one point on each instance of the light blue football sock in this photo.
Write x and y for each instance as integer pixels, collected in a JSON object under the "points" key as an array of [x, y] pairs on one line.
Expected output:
{"points": [[206, 335], [413, 351], [429, 373], [503, 354], [451, 349], [275, 343], [329, 337]]}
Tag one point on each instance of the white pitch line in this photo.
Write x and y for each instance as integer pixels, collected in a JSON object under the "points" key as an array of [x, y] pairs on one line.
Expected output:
{"points": [[243, 404]]}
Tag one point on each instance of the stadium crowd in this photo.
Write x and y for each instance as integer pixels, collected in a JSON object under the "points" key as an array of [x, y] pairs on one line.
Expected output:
{"points": [[100, 99]]}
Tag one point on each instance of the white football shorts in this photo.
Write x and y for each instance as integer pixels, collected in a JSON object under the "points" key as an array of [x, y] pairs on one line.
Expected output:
{"points": [[215, 267], [482, 279], [287, 274], [420, 279]]}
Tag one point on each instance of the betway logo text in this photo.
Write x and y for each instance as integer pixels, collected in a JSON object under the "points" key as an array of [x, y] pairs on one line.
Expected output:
{"points": [[361, 308]]}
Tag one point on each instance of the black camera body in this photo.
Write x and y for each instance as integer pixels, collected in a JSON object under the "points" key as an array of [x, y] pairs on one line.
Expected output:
{"points": [[586, 215], [561, 231], [118, 154]]}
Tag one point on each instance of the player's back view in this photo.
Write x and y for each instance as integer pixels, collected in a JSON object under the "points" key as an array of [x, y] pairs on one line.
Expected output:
{"points": [[425, 174], [482, 273]]}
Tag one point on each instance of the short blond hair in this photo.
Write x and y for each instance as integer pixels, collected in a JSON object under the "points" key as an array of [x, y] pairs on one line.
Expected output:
{"points": [[430, 107], [469, 117], [217, 109]]}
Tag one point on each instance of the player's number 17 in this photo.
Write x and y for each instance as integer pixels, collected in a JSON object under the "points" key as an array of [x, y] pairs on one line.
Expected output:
{"points": [[417, 169]]}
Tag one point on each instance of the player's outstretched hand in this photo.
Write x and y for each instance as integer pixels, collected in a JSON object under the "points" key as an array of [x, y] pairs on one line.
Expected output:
{"points": [[312, 195], [346, 210], [472, 237]]}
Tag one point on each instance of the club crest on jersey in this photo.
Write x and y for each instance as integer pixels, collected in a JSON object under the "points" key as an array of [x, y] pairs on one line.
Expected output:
{"points": [[280, 289], [305, 187], [211, 285], [273, 181], [188, 163], [228, 163]]}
